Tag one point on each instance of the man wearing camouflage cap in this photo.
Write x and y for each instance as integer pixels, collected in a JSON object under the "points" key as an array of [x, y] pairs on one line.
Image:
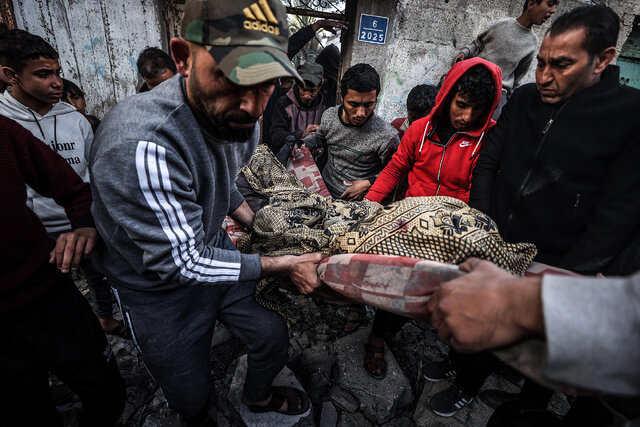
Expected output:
{"points": [[163, 168]]}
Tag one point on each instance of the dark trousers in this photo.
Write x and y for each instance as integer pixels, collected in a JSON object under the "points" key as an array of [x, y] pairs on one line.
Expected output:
{"points": [[173, 331], [97, 284], [387, 323], [57, 333], [473, 369]]}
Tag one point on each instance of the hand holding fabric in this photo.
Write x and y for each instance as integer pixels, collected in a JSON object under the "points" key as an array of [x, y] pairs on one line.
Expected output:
{"points": [[486, 308]]}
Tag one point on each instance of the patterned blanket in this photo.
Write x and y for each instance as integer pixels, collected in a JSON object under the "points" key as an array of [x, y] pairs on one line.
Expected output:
{"points": [[298, 221]]}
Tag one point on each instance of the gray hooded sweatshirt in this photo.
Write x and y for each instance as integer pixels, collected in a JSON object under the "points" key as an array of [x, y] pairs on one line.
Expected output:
{"points": [[65, 131], [162, 185]]}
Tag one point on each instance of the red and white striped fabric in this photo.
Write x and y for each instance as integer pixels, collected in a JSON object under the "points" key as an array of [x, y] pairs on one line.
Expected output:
{"points": [[303, 167], [233, 229], [396, 284], [539, 269]]}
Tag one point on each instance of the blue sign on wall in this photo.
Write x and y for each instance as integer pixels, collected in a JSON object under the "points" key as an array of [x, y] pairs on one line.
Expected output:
{"points": [[373, 29]]}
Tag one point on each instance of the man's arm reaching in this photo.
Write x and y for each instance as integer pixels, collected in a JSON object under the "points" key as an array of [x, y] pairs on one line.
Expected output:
{"points": [[50, 175]]}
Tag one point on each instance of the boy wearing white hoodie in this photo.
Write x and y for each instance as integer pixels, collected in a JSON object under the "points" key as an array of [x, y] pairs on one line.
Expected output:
{"points": [[31, 65]]}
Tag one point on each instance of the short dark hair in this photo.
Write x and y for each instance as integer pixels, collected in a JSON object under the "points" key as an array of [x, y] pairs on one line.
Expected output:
{"points": [[70, 88], [476, 85], [361, 78], [19, 46], [152, 61], [601, 26], [421, 100], [526, 4]]}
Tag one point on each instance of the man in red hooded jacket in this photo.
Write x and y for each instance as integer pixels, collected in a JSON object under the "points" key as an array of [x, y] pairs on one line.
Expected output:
{"points": [[439, 151]]}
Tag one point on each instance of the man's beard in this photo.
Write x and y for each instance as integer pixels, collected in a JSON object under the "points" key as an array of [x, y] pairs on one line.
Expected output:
{"points": [[219, 123]]}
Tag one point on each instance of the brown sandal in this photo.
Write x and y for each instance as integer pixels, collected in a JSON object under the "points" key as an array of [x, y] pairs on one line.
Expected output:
{"points": [[297, 401], [374, 360], [354, 320]]}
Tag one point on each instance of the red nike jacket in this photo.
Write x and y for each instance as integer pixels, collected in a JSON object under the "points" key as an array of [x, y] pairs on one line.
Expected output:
{"points": [[438, 169]]}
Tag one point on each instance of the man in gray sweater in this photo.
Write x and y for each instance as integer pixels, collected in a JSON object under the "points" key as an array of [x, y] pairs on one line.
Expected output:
{"points": [[164, 165], [511, 44], [358, 141]]}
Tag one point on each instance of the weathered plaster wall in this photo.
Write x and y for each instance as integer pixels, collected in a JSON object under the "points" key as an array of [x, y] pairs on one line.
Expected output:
{"points": [[98, 42], [424, 36]]}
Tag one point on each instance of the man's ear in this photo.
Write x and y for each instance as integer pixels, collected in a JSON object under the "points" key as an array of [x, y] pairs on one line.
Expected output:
{"points": [[604, 58], [181, 52], [10, 74]]}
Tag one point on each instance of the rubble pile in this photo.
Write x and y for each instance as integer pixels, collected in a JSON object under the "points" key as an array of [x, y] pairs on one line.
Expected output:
{"points": [[328, 365]]}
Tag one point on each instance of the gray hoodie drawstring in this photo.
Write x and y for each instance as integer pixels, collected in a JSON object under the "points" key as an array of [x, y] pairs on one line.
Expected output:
{"points": [[55, 130]]}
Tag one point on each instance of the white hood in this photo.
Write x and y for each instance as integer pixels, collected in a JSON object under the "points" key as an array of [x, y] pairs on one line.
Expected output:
{"points": [[64, 130]]}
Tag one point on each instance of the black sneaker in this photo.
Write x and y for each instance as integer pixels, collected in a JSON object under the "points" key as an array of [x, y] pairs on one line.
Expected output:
{"points": [[437, 371], [447, 402]]}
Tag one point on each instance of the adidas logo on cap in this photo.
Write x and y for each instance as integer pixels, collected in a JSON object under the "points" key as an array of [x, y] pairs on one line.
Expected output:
{"points": [[259, 15]]}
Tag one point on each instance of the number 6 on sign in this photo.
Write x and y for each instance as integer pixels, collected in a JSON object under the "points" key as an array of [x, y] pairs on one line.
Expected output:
{"points": [[373, 29]]}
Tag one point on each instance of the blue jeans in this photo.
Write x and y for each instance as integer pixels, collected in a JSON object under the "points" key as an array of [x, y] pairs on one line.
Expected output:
{"points": [[173, 331]]}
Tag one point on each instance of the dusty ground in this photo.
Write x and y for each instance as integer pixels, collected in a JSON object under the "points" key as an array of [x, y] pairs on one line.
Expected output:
{"points": [[328, 365]]}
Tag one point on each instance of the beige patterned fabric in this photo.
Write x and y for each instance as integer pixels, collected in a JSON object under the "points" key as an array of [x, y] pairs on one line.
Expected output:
{"points": [[434, 228], [298, 221]]}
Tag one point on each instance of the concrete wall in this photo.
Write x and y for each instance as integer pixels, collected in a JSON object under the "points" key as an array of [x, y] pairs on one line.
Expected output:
{"points": [[424, 36], [98, 42]]}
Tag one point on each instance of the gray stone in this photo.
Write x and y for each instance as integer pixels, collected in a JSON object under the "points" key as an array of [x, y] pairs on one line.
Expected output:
{"points": [[354, 420], [329, 415], [558, 404], [379, 398], [400, 422], [284, 378], [172, 421], [318, 362], [343, 399], [220, 335], [152, 421]]}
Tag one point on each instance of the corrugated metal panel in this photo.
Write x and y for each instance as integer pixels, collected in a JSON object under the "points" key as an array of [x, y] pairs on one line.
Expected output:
{"points": [[98, 42]]}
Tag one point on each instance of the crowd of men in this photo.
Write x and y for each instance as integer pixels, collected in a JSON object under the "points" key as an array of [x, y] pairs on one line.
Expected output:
{"points": [[553, 163]]}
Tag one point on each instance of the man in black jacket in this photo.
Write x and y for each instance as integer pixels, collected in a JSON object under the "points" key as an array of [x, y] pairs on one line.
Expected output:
{"points": [[559, 170]]}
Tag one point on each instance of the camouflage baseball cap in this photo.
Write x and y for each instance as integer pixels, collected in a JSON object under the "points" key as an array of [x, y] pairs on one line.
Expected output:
{"points": [[312, 73], [248, 39]]}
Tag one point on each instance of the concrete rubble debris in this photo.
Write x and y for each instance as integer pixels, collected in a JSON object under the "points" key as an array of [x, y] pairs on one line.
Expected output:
{"points": [[328, 415], [329, 366], [379, 398]]}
